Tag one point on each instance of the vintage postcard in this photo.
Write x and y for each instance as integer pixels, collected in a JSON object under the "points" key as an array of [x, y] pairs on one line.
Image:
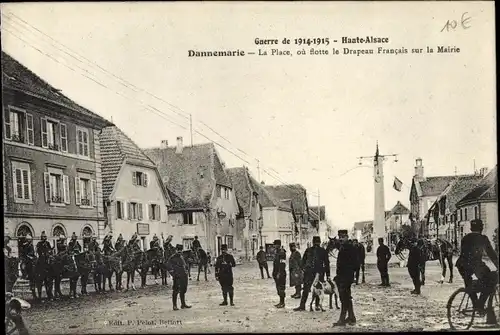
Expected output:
{"points": [[209, 167]]}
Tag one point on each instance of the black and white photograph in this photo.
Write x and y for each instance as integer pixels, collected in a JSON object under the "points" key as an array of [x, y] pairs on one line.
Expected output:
{"points": [[256, 167]]}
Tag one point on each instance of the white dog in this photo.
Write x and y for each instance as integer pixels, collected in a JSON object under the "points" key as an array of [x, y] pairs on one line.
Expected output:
{"points": [[319, 289]]}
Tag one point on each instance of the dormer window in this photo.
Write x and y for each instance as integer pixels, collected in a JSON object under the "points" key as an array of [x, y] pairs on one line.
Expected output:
{"points": [[140, 178]]}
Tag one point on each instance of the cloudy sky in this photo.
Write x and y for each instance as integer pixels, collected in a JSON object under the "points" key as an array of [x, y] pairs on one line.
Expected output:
{"points": [[306, 119]]}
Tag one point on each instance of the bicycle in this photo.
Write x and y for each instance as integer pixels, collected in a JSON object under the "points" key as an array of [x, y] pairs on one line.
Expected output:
{"points": [[466, 312]]}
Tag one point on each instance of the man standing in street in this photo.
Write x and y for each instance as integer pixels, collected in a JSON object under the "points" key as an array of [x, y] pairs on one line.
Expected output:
{"points": [[295, 268], [262, 261], [415, 260], [279, 272], [224, 274], [361, 261], [383, 257], [345, 278], [177, 268]]}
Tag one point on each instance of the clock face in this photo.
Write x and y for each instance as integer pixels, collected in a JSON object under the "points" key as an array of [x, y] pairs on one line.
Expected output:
{"points": [[377, 179]]}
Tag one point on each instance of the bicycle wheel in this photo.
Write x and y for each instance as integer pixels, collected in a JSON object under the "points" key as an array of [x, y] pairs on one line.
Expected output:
{"points": [[460, 310], [494, 304]]}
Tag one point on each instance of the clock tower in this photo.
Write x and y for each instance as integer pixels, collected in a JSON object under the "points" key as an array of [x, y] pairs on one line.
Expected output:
{"points": [[379, 217]]}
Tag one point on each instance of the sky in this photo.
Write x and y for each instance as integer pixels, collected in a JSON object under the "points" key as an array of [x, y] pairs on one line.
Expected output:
{"points": [[305, 119]]}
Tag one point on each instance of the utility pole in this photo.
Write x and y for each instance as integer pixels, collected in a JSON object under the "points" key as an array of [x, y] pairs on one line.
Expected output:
{"points": [[319, 212], [379, 208], [258, 170], [191, 127]]}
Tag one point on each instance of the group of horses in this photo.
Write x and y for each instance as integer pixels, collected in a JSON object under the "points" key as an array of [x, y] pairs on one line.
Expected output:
{"points": [[49, 270]]}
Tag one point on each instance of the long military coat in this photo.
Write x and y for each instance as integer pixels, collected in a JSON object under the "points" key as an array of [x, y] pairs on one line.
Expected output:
{"points": [[295, 266]]}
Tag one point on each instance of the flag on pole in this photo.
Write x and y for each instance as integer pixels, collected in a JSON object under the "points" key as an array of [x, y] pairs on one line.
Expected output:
{"points": [[397, 184]]}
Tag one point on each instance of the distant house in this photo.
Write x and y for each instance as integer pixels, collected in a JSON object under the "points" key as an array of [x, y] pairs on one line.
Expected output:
{"points": [[362, 231], [297, 194], [324, 230], [203, 201], [396, 217], [481, 202], [249, 219], [135, 199], [51, 159]]}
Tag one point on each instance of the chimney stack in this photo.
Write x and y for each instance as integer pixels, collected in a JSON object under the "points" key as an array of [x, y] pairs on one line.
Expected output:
{"points": [[419, 170], [262, 183], [179, 145], [164, 144]]}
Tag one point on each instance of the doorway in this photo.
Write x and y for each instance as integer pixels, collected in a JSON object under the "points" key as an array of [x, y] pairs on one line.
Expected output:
{"points": [[218, 244]]}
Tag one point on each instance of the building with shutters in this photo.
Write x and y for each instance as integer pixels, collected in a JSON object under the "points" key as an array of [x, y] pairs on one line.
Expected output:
{"points": [[135, 199], [51, 159]]}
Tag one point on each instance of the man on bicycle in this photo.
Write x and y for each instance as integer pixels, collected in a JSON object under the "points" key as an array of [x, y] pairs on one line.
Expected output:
{"points": [[470, 262]]}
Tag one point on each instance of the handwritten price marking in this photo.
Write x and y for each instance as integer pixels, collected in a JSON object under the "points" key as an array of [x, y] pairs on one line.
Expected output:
{"points": [[453, 24]]}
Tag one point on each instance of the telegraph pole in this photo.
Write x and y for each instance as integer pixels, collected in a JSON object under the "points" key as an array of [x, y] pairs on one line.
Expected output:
{"points": [[379, 206]]}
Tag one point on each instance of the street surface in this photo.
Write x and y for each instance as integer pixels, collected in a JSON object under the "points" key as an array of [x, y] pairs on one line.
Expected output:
{"points": [[150, 309]]}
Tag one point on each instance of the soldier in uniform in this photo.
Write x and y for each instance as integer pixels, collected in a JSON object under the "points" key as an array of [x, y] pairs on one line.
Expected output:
{"points": [[415, 261], [94, 245], [61, 244], [279, 272], [177, 268], [74, 246], [383, 257], [28, 256], [107, 245], [132, 244], [155, 243], [224, 274], [6, 248], [296, 272], [196, 244], [43, 248], [315, 261], [345, 277], [262, 260], [361, 261], [120, 243]]}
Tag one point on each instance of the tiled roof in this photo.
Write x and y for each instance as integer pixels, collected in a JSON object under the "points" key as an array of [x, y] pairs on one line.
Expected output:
{"points": [[432, 186], [242, 188], [295, 192], [486, 189], [399, 209], [315, 210], [457, 189], [18, 77], [188, 175], [116, 146]]}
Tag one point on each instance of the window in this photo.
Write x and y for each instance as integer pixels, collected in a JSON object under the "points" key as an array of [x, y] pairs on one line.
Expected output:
{"points": [[187, 218], [229, 242], [461, 215], [227, 192], [56, 186], [58, 231], [140, 178], [19, 126], [476, 214], [64, 138], [82, 142], [21, 179], [87, 231], [219, 191], [119, 210], [135, 211], [187, 243], [465, 214], [154, 212], [24, 230], [85, 191]]}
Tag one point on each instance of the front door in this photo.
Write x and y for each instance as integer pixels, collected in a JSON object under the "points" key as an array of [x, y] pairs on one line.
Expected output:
{"points": [[218, 244]]}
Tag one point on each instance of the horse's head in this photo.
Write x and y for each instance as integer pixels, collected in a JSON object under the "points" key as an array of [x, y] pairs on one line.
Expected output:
{"points": [[333, 243]]}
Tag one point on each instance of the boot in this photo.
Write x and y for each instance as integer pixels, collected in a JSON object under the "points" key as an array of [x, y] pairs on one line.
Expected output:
{"points": [[174, 301], [351, 319], [342, 320], [303, 299], [224, 295], [231, 296], [282, 301], [183, 301]]}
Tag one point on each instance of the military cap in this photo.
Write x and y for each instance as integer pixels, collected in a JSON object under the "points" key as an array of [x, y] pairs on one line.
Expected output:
{"points": [[120, 237], [73, 236], [179, 247], [261, 247], [292, 244], [316, 239], [343, 232], [43, 234], [196, 237], [223, 247], [476, 224], [277, 242]]}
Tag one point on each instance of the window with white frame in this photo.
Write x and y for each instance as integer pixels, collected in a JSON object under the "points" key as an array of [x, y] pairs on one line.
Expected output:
{"points": [[119, 210], [135, 211], [187, 218], [227, 193], [154, 212], [56, 185], [82, 142], [139, 178], [19, 126], [229, 242], [21, 179], [187, 242], [85, 191]]}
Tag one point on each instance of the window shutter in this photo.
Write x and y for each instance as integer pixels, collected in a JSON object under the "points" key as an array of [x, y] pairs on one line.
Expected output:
{"points": [[150, 212], [130, 211], [66, 189], [125, 213], [145, 179], [79, 141], [46, 181], [64, 138], [26, 185], [78, 196], [134, 181], [93, 193], [14, 181], [45, 137], [85, 144], [157, 214], [7, 125], [29, 128], [139, 210]]}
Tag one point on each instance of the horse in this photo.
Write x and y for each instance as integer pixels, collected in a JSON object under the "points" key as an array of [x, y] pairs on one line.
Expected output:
{"points": [[11, 272], [202, 263], [131, 261], [63, 265], [85, 263], [150, 259], [191, 258], [167, 253], [106, 266], [437, 249]]}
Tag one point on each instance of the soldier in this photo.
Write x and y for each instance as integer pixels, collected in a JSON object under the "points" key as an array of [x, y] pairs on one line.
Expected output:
{"points": [[43, 248], [94, 245], [383, 257], [315, 261], [177, 268], [61, 244], [344, 278], [279, 272], [107, 245], [415, 260], [262, 260], [74, 246], [27, 257], [224, 274], [296, 272], [155, 243], [196, 244], [120, 243], [6, 248], [361, 261]]}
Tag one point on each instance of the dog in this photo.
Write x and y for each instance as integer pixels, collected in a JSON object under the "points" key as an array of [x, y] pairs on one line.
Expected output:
{"points": [[319, 289]]}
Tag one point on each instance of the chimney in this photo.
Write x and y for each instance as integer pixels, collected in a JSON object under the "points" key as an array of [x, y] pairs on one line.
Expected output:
{"points": [[164, 144], [419, 170], [262, 183], [483, 171], [179, 145]]}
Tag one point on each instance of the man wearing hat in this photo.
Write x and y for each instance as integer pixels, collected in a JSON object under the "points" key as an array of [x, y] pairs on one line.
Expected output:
{"points": [[43, 248], [361, 261], [279, 272], [155, 243], [415, 261], [74, 246], [262, 261], [61, 244], [196, 244], [94, 245], [296, 272], [120, 243], [177, 268], [345, 277], [315, 261], [27, 256], [470, 262], [168, 248], [107, 245], [224, 274], [383, 257]]}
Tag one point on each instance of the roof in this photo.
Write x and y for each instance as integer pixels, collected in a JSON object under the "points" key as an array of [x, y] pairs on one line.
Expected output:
{"points": [[313, 216], [485, 190], [432, 186], [361, 224], [188, 175], [457, 189], [116, 147], [294, 192], [399, 209], [243, 188], [18, 77], [315, 210]]}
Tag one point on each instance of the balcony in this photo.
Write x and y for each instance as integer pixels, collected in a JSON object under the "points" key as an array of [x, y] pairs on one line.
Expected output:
{"points": [[85, 202], [56, 200]]}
